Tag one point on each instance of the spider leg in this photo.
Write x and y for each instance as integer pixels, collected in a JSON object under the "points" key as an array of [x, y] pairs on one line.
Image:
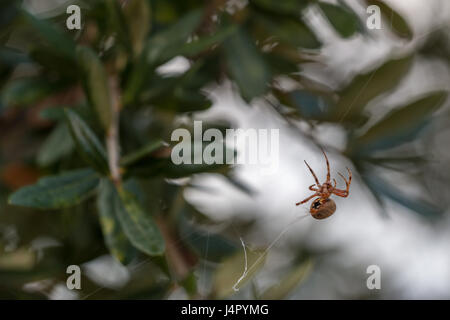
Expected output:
{"points": [[344, 193], [335, 183], [340, 193], [328, 166], [314, 175], [307, 199], [311, 187]]}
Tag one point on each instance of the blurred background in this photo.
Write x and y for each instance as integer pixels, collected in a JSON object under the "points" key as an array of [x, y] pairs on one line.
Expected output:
{"points": [[374, 100]]}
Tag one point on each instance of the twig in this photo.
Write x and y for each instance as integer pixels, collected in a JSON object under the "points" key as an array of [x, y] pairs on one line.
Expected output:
{"points": [[112, 136]]}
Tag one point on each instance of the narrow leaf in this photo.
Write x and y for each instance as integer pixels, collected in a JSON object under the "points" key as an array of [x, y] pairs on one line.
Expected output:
{"points": [[401, 125], [87, 142], [206, 42], [95, 84], [365, 87], [141, 153], [288, 7], [138, 17], [138, 225], [58, 41], [246, 65], [57, 192], [115, 238], [160, 48], [381, 187], [290, 31], [57, 145], [23, 92], [342, 19]]}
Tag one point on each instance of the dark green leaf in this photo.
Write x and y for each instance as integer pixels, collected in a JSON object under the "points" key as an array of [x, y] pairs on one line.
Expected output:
{"points": [[379, 186], [311, 105], [197, 46], [290, 31], [59, 42], [363, 88], [117, 22], [401, 125], [23, 92], [87, 142], [288, 7], [246, 65], [138, 225], [115, 238], [57, 145], [95, 83], [57, 192], [141, 153], [341, 18], [138, 17], [158, 49]]}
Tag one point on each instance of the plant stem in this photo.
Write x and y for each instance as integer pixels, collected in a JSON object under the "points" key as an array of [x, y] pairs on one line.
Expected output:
{"points": [[112, 137]]}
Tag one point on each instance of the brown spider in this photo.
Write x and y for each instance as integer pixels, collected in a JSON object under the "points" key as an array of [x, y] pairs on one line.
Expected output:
{"points": [[323, 207]]}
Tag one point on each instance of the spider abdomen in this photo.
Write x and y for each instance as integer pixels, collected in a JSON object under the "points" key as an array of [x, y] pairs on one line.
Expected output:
{"points": [[322, 208]]}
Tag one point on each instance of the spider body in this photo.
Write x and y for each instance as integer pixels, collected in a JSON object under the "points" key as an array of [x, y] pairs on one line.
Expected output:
{"points": [[323, 207]]}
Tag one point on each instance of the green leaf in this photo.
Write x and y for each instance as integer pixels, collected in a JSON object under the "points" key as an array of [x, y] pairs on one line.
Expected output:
{"points": [[58, 41], [117, 22], [288, 283], [246, 65], [53, 114], [401, 125], [365, 87], [57, 145], [9, 10], [95, 84], [197, 46], [167, 43], [23, 92], [160, 48], [161, 164], [138, 17], [397, 23], [57, 192], [290, 31], [87, 142], [230, 271], [288, 7], [138, 225], [115, 238], [311, 105], [341, 18], [381, 187], [141, 153]]}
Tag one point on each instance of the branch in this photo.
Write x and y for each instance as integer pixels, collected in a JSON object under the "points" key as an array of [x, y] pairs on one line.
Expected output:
{"points": [[112, 136]]}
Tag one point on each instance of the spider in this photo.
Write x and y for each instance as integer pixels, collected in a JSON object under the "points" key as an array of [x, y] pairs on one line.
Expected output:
{"points": [[323, 206]]}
